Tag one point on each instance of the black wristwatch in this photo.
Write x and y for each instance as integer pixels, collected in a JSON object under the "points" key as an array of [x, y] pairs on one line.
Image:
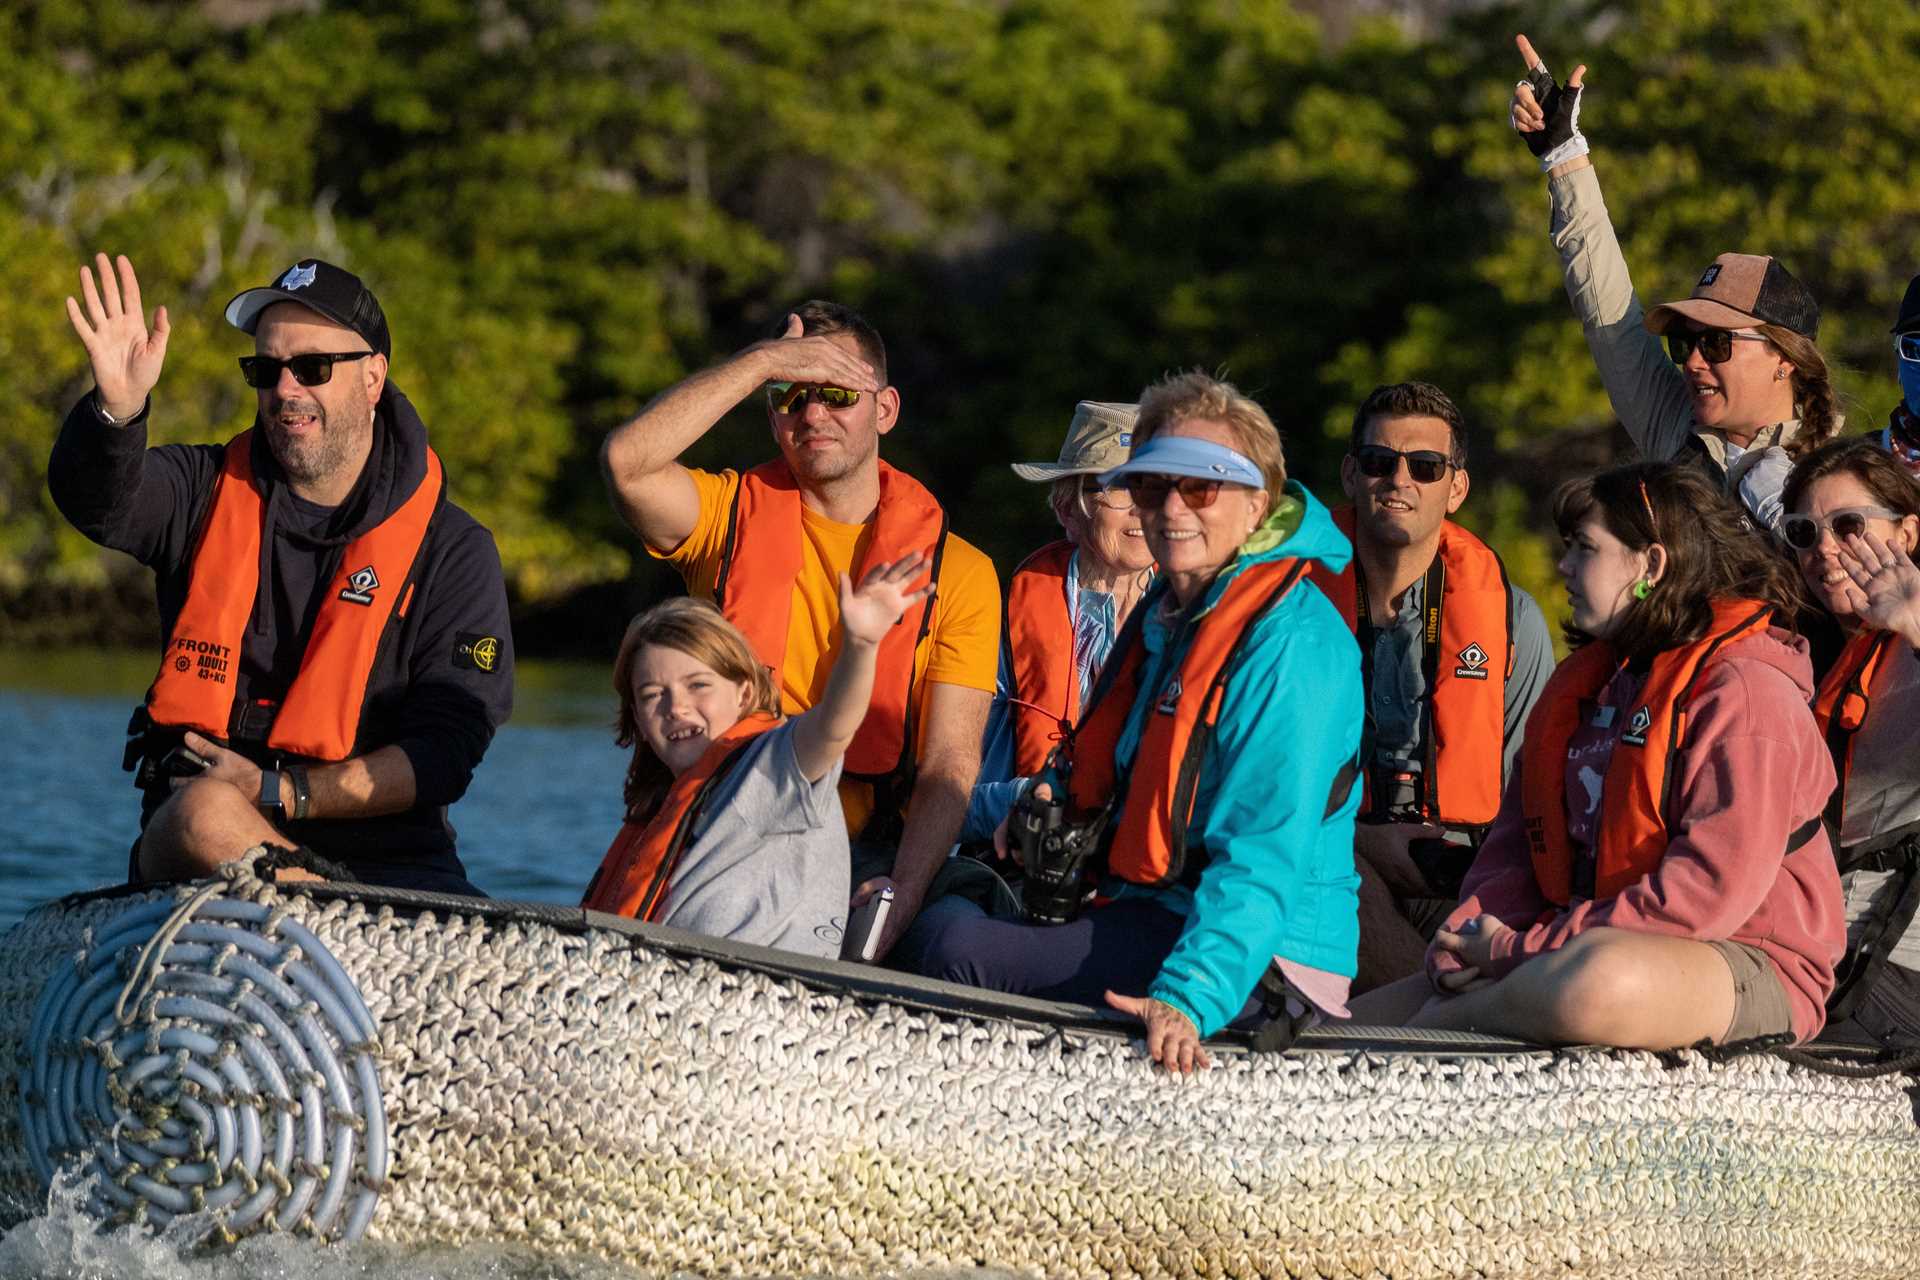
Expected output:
{"points": [[302, 794], [270, 794]]}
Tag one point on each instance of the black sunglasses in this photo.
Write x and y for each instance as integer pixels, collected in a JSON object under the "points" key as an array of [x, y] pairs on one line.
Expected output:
{"points": [[1377, 462], [1716, 345], [1150, 490], [309, 370]]}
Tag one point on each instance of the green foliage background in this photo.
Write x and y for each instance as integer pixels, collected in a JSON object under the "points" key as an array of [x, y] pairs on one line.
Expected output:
{"points": [[565, 205]]}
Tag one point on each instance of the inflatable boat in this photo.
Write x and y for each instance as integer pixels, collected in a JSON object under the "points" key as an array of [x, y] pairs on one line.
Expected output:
{"points": [[346, 1062]]}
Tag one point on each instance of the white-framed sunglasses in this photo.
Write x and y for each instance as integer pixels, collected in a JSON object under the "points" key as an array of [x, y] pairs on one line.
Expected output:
{"points": [[1802, 533], [1907, 346]]}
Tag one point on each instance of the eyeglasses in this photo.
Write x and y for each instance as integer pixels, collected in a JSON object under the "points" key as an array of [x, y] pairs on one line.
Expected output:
{"points": [[792, 397], [1907, 346], [1092, 495], [1379, 462], [309, 370], [1716, 345], [1802, 533], [1150, 490]]}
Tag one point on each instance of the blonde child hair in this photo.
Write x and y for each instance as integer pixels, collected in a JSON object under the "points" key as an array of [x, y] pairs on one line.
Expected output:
{"points": [[703, 633]]}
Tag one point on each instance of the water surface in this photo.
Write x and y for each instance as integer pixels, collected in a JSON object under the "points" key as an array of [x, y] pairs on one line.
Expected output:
{"points": [[542, 807]]}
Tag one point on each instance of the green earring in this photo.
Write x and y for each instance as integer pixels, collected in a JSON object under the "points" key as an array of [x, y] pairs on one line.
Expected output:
{"points": [[1642, 589]]}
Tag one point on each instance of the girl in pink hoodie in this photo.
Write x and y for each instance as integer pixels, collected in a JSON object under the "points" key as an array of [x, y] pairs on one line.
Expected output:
{"points": [[1658, 874]]}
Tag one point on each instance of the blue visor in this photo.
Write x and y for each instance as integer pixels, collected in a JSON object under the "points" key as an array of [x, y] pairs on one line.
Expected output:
{"points": [[1187, 456]]}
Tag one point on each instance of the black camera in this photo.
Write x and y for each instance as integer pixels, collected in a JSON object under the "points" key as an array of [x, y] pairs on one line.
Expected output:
{"points": [[1055, 855]]}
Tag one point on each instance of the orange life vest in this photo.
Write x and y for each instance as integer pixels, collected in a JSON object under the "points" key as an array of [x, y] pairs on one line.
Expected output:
{"points": [[1046, 680], [1630, 830], [320, 716], [759, 562], [1154, 792], [1467, 659], [1840, 707], [633, 876]]}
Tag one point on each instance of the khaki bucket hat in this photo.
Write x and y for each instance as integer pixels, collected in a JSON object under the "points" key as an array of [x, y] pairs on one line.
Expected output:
{"points": [[1099, 439]]}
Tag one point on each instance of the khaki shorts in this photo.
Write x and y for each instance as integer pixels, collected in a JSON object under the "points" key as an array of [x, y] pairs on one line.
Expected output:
{"points": [[1759, 1001]]}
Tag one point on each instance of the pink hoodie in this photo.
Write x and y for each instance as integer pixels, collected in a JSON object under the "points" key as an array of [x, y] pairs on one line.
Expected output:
{"points": [[1752, 770]]}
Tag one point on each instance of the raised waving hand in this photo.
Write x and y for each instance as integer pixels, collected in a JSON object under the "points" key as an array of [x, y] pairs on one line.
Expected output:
{"points": [[1545, 113], [126, 355], [1885, 590], [868, 611]]}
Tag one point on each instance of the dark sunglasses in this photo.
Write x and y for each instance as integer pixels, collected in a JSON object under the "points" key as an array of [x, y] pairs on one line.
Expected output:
{"points": [[1377, 462], [310, 370], [1716, 345], [1802, 533], [1150, 490], [791, 397]]}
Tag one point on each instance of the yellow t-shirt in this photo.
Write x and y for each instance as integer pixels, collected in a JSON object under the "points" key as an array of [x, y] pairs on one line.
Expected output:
{"points": [[962, 647]]}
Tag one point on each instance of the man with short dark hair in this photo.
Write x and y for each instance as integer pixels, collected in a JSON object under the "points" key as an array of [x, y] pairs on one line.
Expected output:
{"points": [[1452, 656], [337, 650], [770, 545]]}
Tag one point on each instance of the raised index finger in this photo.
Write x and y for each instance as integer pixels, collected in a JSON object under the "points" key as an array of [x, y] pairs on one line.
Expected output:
{"points": [[1526, 51]]}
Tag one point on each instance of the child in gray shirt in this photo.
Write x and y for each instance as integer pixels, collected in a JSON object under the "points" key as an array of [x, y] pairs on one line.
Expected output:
{"points": [[734, 826]]}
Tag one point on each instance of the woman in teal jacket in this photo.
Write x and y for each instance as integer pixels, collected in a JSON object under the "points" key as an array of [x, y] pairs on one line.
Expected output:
{"points": [[1231, 709]]}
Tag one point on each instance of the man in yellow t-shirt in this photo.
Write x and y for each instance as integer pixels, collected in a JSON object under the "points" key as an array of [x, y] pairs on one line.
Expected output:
{"points": [[818, 512]]}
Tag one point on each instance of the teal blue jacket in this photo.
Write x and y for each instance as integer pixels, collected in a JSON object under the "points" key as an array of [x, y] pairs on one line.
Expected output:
{"points": [[1279, 879]]}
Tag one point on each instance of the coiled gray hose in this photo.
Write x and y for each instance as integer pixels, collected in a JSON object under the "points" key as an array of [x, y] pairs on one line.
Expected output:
{"points": [[210, 1056]]}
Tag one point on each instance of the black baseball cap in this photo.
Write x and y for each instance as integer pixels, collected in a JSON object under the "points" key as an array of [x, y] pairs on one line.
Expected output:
{"points": [[1909, 309], [319, 286]]}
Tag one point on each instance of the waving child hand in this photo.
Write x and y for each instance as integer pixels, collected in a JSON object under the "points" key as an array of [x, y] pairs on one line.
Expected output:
{"points": [[882, 597], [126, 356], [1545, 114]]}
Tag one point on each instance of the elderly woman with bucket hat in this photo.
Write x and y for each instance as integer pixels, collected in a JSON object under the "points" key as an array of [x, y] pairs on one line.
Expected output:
{"points": [[1742, 385], [1205, 796], [1065, 604]]}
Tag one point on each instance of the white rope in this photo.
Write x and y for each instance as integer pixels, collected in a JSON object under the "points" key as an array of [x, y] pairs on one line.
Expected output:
{"points": [[576, 1092]]}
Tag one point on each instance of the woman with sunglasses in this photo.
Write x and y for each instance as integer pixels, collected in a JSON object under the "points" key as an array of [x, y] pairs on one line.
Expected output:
{"points": [[1742, 386], [1853, 523], [1214, 764], [1658, 874], [1065, 604]]}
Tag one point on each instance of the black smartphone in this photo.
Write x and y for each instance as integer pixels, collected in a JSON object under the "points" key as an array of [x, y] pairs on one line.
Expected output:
{"points": [[184, 762]]}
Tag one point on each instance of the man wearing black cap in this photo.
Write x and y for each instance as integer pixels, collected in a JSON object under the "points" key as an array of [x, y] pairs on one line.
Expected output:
{"points": [[337, 653]]}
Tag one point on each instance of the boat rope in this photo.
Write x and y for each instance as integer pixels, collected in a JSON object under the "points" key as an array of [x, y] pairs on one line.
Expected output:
{"points": [[207, 1055]]}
